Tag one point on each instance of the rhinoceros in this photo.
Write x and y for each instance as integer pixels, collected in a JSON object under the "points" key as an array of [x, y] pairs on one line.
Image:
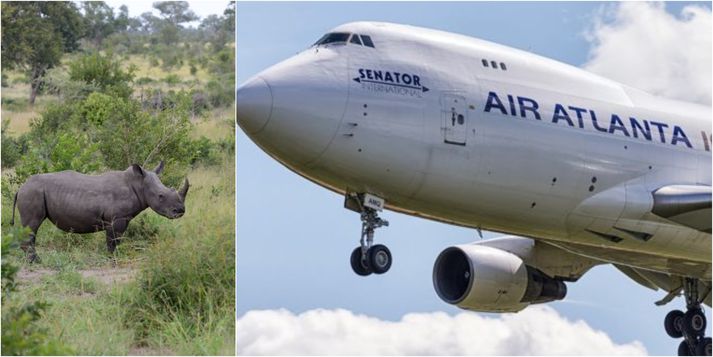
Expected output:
{"points": [[81, 203]]}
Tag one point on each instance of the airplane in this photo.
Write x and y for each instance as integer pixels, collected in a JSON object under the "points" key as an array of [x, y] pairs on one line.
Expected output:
{"points": [[577, 170]]}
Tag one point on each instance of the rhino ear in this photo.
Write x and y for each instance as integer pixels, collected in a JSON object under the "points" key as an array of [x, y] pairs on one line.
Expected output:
{"points": [[137, 169], [159, 168]]}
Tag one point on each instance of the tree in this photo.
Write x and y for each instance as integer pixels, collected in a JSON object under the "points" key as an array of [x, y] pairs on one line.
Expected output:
{"points": [[173, 14], [99, 21], [36, 34]]}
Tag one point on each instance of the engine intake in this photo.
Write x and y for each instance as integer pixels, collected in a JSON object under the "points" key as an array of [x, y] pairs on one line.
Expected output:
{"points": [[483, 278]]}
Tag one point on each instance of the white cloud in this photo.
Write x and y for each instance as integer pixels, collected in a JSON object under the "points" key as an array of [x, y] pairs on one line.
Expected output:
{"points": [[538, 330], [642, 45]]}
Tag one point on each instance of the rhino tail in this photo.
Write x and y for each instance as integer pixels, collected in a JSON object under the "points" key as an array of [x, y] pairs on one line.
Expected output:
{"points": [[14, 202]]}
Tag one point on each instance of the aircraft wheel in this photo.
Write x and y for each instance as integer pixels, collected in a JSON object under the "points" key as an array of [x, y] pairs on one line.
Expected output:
{"points": [[379, 258], [683, 349], [673, 323], [703, 348], [358, 265], [694, 322]]}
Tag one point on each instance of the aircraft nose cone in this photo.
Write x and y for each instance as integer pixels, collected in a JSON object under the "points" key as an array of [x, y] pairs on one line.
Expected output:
{"points": [[254, 100]]}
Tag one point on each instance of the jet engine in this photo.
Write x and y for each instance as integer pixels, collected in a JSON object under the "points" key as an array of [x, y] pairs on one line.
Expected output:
{"points": [[483, 278]]}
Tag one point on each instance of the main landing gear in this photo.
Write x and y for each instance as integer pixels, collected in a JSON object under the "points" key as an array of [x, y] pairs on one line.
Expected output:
{"points": [[690, 325], [368, 257]]}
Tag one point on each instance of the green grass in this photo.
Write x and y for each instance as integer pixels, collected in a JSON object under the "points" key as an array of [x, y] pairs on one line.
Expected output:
{"points": [[170, 286], [181, 297]]}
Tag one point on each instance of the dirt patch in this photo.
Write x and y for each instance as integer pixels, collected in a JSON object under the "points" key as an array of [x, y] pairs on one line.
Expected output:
{"points": [[148, 351], [34, 275], [107, 276]]}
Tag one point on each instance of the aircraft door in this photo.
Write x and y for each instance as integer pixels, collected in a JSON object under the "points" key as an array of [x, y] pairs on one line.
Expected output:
{"points": [[454, 118]]}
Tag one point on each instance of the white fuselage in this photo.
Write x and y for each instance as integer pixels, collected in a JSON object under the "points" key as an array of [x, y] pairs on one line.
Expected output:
{"points": [[531, 147]]}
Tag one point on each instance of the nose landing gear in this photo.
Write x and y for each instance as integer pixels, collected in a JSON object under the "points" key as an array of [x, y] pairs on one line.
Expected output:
{"points": [[368, 258], [690, 325]]}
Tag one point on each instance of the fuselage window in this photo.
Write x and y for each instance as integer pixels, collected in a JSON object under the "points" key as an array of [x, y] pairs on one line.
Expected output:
{"points": [[332, 38], [355, 40], [367, 41], [502, 66], [485, 63], [494, 64]]}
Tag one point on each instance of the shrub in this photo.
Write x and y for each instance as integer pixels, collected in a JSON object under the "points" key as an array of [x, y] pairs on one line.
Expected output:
{"points": [[204, 151], [66, 152], [220, 93], [104, 73], [15, 104], [172, 79], [21, 334], [12, 148], [144, 80]]}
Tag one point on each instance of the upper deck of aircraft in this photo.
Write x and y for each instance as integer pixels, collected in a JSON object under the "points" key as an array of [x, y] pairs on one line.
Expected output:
{"points": [[492, 61]]}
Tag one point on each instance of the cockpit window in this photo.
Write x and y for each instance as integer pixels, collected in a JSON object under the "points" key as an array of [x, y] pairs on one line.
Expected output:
{"points": [[332, 38], [355, 40], [367, 41]]}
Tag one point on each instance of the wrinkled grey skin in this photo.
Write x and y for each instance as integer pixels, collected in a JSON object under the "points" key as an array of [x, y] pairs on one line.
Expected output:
{"points": [[80, 203]]}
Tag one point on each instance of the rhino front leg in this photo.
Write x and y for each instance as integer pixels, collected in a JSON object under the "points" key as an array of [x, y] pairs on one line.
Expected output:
{"points": [[114, 232]]}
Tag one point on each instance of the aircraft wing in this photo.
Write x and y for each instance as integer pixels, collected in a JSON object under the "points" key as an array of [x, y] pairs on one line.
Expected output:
{"points": [[688, 205]]}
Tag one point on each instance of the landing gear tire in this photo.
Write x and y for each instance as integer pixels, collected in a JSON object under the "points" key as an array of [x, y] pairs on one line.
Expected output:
{"points": [[368, 257], [359, 266], [694, 322], [379, 258], [703, 348], [690, 325], [673, 323], [683, 349]]}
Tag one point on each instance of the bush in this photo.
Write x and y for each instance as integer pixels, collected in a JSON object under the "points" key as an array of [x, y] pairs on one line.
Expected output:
{"points": [[144, 80], [220, 93], [204, 151], [172, 79], [15, 104], [66, 152], [107, 129], [12, 148], [21, 334], [58, 82], [104, 73]]}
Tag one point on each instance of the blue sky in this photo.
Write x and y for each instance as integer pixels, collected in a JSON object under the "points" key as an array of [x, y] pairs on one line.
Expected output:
{"points": [[294, 238]]}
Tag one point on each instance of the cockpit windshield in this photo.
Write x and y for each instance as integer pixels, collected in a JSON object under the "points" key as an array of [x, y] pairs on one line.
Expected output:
{"points": [[345, 37], [332, 38]]}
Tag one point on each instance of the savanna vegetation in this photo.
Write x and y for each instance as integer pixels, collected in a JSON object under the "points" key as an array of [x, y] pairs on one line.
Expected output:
{"points": [[86, 87]]}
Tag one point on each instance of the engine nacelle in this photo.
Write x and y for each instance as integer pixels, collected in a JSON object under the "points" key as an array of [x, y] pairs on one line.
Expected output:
{"points": [[482, 278]]}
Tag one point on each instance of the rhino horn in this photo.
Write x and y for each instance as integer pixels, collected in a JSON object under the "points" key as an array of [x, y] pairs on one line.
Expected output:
{"points": [[184, 189], [159, 168]]}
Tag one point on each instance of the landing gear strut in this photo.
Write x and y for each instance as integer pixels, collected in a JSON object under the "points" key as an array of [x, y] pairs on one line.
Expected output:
{"points": [[368, 257], [690, 325]]}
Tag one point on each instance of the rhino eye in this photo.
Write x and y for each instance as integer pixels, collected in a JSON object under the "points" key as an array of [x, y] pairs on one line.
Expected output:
{"points": [[160, 197]]}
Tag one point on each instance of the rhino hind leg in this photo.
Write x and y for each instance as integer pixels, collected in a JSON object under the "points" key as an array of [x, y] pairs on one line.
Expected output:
{"points": [[32, 214], [28, 247]]}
